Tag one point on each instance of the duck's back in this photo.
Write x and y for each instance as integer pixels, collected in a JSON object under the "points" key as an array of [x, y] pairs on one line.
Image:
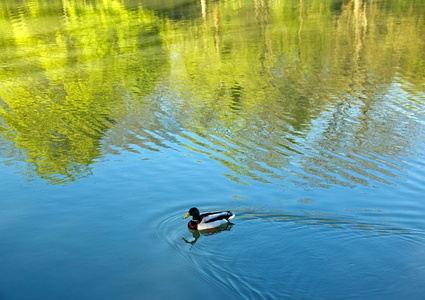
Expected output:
{"points": [[215, 216]]}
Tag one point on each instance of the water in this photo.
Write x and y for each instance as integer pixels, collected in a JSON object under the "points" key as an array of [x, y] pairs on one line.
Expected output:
{"points": [[305, 118]]}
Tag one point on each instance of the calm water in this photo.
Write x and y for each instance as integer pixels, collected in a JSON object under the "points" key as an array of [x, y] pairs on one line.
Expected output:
{"points": [[305, 118]]}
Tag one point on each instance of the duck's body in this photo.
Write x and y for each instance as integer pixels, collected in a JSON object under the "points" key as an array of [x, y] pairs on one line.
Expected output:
{"points": [[207, 220]]}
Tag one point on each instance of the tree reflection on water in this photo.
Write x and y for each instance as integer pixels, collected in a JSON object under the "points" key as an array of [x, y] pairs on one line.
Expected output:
{"points": [[268, 89]]}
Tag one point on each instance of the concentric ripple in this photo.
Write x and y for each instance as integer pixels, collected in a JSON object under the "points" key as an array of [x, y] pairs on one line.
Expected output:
{"points": [[279, 247]]}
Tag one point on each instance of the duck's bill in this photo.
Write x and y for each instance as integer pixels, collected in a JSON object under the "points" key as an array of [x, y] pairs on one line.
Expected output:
{"points": [[186, 216]]}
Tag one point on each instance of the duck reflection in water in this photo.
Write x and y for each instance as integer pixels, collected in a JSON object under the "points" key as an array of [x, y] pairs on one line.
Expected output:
{"points": [[196, 234]]}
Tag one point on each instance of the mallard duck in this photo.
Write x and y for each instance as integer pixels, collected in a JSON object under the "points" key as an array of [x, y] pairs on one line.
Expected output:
{"points": [[207, 220]]}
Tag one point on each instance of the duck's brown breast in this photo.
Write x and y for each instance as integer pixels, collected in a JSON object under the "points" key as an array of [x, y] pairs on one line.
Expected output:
{"points": [[192, 225]]}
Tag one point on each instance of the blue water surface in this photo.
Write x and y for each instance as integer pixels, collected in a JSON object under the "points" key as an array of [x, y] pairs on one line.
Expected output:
{"points": [[281, 113]]}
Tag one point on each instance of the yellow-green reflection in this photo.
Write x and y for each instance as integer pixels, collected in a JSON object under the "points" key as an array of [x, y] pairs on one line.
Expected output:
{"points": [[67, 69], [259, 73], [241, 81]]}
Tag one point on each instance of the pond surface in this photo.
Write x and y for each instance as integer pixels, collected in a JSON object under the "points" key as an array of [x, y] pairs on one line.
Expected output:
{"points": [[305, 118]]}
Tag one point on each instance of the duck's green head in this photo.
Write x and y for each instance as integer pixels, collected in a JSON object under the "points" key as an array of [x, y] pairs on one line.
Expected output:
{"points": [[194, 212]]}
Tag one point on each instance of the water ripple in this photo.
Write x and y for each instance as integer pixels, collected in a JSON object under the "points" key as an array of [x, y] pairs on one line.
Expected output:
{"points": [[215, 258]]}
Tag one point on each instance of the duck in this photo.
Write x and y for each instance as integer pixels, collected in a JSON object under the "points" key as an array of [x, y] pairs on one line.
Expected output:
{"points": [[208, 220]]}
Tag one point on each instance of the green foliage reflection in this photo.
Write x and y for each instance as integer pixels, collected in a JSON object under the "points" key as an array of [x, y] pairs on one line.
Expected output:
{"points": [[259, 73], [246, 79], [67, 69]]}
